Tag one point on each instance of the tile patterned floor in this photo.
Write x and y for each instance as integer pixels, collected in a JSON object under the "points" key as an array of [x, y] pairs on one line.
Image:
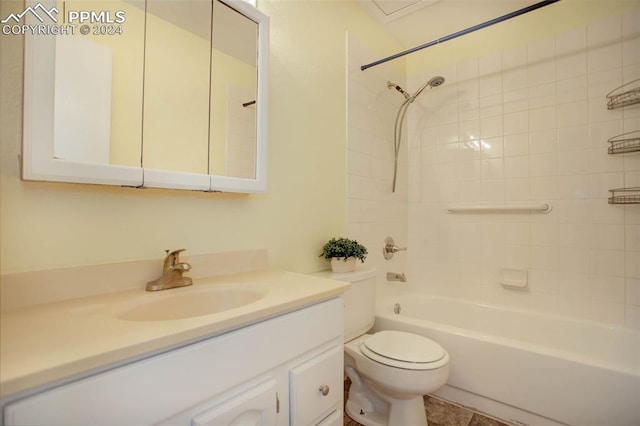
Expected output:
{"points": [[441, 413]]}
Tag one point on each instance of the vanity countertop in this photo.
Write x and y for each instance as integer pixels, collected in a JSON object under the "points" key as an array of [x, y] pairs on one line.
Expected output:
{"points": [[50, 342]]}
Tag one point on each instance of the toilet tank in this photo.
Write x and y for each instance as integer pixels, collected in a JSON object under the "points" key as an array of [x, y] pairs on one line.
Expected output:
{"points": [[359, 301]]}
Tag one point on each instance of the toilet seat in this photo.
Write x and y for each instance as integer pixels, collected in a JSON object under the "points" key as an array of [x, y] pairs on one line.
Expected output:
{"points": [[403, 350]]}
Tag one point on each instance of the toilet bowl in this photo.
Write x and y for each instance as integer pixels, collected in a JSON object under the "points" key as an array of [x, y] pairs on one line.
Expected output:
{"points": [[390, 371]]}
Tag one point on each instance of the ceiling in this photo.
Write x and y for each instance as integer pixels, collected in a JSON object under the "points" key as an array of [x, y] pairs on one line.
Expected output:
{"points": [[414, 22]]}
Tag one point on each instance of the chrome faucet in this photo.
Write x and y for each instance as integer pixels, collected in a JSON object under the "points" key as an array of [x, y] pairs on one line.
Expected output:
{"points": [[172, 271]]}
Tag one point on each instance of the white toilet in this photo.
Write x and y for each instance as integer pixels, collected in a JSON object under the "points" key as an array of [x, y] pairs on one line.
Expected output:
{"points": [[390, 371]]}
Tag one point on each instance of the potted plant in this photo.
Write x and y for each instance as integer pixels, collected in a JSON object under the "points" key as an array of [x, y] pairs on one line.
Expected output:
{"points": [[343, 252]]}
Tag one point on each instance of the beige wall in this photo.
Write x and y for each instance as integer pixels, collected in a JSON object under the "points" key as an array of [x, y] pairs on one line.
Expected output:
{"points": [[48, 225]]}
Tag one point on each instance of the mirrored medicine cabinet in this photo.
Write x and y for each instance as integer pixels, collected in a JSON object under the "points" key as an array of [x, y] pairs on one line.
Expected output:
{"points": [[147, 93]]}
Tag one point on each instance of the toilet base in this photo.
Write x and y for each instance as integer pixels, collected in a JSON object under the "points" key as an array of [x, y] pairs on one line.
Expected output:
{"points": [[377, 408], [369, 418], [410, 412]]}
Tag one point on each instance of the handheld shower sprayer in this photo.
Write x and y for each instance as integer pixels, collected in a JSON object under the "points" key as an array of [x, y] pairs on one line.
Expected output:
{"points": [[434, 82], [397, 132]]}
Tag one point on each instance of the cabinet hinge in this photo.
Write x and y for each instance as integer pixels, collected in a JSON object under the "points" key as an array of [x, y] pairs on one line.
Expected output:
{"points": [[277, 403]]}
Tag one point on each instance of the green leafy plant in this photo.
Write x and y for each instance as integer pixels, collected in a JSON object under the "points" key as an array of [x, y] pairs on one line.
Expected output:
{"points": [[345, 248]]}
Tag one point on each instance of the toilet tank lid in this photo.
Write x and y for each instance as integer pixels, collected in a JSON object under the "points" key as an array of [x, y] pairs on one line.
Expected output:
{"points": [[349, 277]]}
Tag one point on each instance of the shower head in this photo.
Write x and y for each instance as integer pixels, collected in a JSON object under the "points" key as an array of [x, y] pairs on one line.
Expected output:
{"points": [[391, 85], [434, 82]]}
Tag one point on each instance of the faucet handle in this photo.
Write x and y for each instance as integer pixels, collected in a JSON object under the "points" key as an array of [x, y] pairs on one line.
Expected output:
{"points": [[172, 252], [172, 258], [390, 248], [183, 266]]}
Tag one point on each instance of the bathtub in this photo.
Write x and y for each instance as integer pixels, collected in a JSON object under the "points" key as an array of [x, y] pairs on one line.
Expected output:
{"points": [[527, 367]]}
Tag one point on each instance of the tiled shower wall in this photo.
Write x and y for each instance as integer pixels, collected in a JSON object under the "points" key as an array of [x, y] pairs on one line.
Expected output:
{"points": [[373, 211], [529, 124]]}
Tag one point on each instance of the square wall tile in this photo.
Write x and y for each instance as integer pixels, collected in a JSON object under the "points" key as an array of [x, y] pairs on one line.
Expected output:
{"points": [[516, 167], [573, 138], [543, 118], [516, 145], [491, 126], [607, 262], [491, 105], [607, 237], [573, 235], [517, 122], [517, 189], [632, 289], [604, 58], [572, 163], [571, 42], [607, 312], [467, 70], [631, 25], [630, 55], [606, 32], [632, 238], [543, 164], [541, 72], [515, 101], [573, 114], [573, 89], [490, 65], [574, 186]]}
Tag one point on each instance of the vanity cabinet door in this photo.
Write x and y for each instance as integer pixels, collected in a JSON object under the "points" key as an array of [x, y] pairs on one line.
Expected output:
{"points": [[316, 388], [254, 407], [334, 419]]}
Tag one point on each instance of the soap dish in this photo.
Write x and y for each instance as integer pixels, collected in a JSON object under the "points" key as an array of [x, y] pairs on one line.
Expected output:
{"points": [[516, 278]]}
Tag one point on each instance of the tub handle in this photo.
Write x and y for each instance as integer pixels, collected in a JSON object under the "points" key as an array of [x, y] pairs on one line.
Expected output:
{"points": [[390, 248]]}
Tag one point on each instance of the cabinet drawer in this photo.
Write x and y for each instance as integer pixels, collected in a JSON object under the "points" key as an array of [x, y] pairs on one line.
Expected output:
{"points": [[316, 387]]}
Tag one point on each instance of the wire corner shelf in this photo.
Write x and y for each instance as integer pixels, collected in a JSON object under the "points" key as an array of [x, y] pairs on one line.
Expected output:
{"points": [[625, 143], [625, 95], [630, 195]]}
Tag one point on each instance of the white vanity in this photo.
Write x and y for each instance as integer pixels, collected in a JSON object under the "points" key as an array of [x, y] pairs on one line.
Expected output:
{"points": [[275, 360]]}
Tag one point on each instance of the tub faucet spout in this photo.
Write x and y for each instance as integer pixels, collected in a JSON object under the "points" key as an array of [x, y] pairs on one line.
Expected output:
{"points": [[172, 271], [394, 276]]}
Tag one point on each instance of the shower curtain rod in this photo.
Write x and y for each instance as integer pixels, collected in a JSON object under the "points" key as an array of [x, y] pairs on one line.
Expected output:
{"points": [[462, 32]]}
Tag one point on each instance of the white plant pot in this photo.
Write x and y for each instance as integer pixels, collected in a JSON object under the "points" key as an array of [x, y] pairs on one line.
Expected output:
{"points": [[338, 264]]}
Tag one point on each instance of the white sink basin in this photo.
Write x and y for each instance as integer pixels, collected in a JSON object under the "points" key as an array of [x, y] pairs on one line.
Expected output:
{"points": [[192, 304]]}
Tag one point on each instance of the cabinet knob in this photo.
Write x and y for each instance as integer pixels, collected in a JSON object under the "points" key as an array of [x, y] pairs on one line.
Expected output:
{"points": [[324, 390]]}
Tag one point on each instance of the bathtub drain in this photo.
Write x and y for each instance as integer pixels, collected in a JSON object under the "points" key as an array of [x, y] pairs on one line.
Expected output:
{"points": [[396, 308]]}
